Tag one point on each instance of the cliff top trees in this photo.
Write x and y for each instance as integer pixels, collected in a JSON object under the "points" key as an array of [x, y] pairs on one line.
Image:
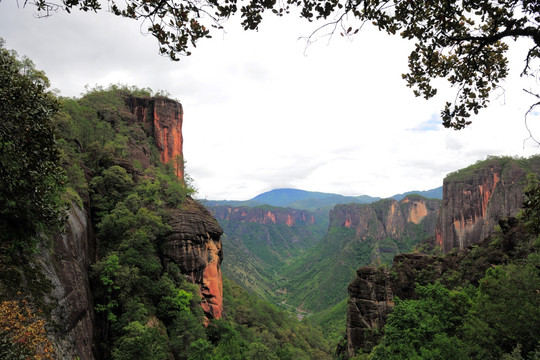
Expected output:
{"points": [[463, 42], [31, 179]]}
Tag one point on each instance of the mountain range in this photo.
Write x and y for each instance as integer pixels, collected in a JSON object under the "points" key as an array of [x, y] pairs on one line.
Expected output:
{"points": [[313, 200]]}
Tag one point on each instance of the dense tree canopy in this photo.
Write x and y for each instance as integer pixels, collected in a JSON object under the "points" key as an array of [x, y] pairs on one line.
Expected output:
{"points": [[31, 178], [463, 42]]}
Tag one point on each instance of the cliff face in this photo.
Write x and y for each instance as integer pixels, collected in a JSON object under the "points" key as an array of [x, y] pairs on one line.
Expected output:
{"points": [[162, 119], [370, 302], [393, 226], [371, 293], [195, 243], [66, 267], [286, 216], [195, 246], [475, 198], [386, 218]]}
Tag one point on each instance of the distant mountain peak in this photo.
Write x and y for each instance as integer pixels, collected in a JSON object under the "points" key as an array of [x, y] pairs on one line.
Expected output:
{"points": [[314, 200]]}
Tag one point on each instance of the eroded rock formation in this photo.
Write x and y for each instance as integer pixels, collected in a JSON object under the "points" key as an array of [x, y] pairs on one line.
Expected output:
{"points": [[195, 246], [385, 218], [246, 214], [475, 198], [162, 119], [66, 267], [371, 294], [370, 302], [391, 226], [195, 243]]}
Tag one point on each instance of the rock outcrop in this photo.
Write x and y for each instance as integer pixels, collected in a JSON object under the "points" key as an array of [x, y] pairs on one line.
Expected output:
{"points": [[370, 302], [274, 215], [371, 294], [195, 243], [475, 198], [66, 267], [195, 246], [385, 218], [162, 119]]}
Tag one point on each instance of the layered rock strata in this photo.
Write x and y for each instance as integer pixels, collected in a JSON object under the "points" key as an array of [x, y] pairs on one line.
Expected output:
{"points": [[162, 119], [195, 246], [286, 216], [475, 198], [66, 267]]}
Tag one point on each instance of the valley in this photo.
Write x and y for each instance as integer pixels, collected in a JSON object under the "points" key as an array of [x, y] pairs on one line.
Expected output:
{"points": [[302, 257]]}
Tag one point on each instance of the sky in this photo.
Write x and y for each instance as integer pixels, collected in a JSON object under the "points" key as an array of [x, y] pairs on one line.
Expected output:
{"points": [[265, 110]]}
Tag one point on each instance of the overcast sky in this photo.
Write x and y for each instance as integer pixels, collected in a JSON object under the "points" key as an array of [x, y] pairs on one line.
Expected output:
{"points": [[262, 110]]}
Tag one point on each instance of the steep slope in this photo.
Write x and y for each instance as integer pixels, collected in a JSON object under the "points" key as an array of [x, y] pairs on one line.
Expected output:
{"points": [[358, 235], [156, 123], [476, 197], [55, 280], [195, 246]]}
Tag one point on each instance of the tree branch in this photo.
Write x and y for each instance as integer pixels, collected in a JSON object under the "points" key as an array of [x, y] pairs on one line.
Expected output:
{"points": [[527, 114]]}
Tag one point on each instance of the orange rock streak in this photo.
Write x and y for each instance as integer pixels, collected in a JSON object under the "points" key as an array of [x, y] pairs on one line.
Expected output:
{"points": [[168, 135], [418, 212], [212, 287], [290, 220]]}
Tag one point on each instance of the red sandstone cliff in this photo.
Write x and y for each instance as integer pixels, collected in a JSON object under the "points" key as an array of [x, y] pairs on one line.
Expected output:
{"points": [[475, 198], [195, 243], [387, 218], [162, 119], [195, 246], [259, 215]]}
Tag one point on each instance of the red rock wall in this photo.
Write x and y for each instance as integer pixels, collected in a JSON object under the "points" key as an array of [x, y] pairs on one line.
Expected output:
{"points": [[386, 218], [474, 202], [289, 217], [195, 246], [162, 119]]}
